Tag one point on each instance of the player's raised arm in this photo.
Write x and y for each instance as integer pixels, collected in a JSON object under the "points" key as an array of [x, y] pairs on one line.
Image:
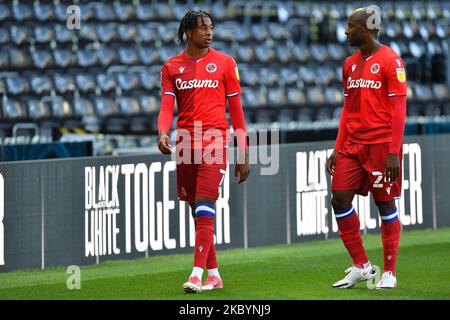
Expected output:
{"points": [[165, 116]]}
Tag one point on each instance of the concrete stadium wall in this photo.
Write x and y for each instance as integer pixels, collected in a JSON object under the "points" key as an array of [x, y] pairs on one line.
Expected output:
{"points": [[88, 210]]}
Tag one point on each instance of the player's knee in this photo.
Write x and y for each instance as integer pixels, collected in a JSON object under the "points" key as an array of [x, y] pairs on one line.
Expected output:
{"points": [[384, 207], [205, 200], [339, 203]]}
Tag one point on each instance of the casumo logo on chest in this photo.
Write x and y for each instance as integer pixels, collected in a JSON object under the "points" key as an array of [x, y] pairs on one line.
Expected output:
{"points": [[195, 83], [362, 83]]}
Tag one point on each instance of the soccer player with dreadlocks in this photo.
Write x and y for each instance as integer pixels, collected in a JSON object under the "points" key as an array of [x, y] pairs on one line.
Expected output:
{"points": [[202, 80]]}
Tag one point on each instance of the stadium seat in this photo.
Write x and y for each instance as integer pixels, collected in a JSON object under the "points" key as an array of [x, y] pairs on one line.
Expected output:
{"points": [[264, 116], [22, 11], [259, 32], [289, 76], [269, 76], [41, 84], [128, 55], [148, 80], [148, 104], [106, 82], [245, 53], [315, 95], [43, 11], [14, 110], [19, 58], [43, 34], [168, 32], [148, 32], [265, 53], [38, 110], [305, 115], [84, 107], [278, 32], [144, 12], [103, 11], [107, 56], [124, 11], [21, 34], [334, 95], [128, 106], [324, 113], [148, 55], [286, 115], [42, 58], [64, 58], [128, 81], [85, 83], [440, 92], [17, 85], [88, 32], [5, 12], [5, 37], [126, 32], [296, 96], [62, 34], [107, 32], [254, 97], [319, 53], [64, 83], [301, 53], [276, 97], [106, 107], [87, 57], [283, 54], [164, 11], [61, 108]]}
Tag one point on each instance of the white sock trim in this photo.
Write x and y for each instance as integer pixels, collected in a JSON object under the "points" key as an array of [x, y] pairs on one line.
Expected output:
{"points": [[196, 271], [214, 272]]}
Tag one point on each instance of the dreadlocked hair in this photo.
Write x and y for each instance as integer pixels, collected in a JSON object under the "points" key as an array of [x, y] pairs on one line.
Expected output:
{"points": [[189, 21]]}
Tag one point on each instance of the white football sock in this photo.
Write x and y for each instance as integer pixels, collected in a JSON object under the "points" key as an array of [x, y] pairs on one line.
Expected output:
{"points": [[214, 272], [197, 272]]}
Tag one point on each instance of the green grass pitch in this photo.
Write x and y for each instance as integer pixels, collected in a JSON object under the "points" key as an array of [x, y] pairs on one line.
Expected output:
{"points": [[288, 272]]}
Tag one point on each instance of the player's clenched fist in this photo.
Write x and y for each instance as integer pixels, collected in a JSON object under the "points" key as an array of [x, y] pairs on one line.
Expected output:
{"points": [[331, 162], [164, 143]]}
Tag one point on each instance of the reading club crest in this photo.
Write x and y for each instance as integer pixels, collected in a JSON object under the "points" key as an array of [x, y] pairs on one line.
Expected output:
{"points": [[211, 67], [375, 68]]}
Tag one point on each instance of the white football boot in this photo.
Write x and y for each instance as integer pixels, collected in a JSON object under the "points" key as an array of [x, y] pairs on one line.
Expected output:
{"points": [[355, 275], [388, 281]]}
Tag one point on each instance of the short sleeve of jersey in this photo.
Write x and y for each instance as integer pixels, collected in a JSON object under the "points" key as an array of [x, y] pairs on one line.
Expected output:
{"points": [[396, 77], [232, 85], [167, 84]]}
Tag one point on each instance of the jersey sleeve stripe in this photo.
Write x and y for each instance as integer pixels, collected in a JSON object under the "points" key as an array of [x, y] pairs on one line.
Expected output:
{"points": [[232, 94], [171, 93], [391, 94]]}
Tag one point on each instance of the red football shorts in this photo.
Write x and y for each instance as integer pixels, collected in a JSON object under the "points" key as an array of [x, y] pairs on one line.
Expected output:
{"points": [[202, 177], [360, 167]]}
